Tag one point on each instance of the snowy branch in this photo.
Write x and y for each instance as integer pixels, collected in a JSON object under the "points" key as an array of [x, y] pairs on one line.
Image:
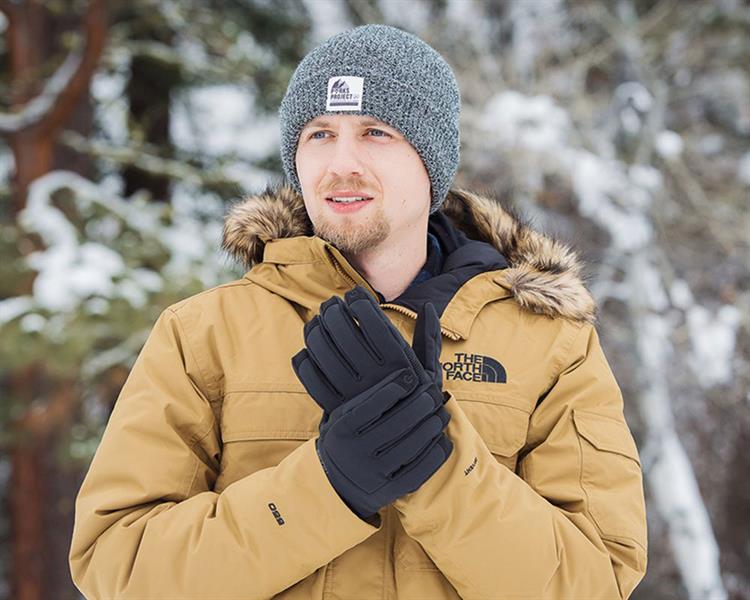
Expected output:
{"points": [[618, 199], [38, 108], [155, 165], [52, 106], [200, 66]]}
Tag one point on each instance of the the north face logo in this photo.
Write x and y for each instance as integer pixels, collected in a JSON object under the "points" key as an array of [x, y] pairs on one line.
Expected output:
{"points": [[345, 93], [475, 367]]}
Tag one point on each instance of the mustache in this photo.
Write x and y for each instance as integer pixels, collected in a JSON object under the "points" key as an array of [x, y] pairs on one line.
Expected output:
{"points": [[346, 184]]}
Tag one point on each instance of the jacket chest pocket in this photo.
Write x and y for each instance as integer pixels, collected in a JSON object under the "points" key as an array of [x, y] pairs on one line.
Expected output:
{"points": [[503, 425], [261, 426]]}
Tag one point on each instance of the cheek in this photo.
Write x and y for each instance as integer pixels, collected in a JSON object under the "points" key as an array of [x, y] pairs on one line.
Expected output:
{"points": [[407, 173], [307, 167]]}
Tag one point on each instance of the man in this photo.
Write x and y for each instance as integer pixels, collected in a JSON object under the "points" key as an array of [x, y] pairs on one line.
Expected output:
{"points": [[280, 437]]}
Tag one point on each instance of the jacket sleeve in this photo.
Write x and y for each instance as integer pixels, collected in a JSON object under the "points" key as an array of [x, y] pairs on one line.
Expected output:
{"points": [[572, 524], [147, 523]]}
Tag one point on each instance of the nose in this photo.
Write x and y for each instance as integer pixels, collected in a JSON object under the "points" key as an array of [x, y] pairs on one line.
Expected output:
{"points": [[345, 159]]}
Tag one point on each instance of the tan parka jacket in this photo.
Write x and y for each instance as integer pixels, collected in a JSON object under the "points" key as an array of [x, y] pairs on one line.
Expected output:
{"points": [[206, 483]]}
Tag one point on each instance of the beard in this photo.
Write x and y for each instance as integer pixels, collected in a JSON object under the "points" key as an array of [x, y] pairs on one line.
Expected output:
{"points": [[353, 236]]}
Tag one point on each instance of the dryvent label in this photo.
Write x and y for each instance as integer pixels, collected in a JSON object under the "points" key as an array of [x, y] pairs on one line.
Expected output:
{"points": [[345, 93]]}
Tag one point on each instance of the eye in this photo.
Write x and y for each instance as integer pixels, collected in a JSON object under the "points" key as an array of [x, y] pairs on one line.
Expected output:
{"points": [[386, 134], [314, 133]]}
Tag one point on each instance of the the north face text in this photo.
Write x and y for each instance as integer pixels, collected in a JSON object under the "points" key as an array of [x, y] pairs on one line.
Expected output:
{"points": [[474, 367]]}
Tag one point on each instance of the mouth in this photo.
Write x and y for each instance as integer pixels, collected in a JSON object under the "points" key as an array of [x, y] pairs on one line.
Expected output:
{"points": [[348, 204], [345, 199]]}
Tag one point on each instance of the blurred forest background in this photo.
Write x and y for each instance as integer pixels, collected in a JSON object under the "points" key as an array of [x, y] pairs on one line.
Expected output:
{"points": [[621, 127]]}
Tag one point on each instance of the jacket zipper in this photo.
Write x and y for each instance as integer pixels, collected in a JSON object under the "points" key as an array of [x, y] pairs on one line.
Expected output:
{"points": [[349, 278], [413, 315], [397, 307]]}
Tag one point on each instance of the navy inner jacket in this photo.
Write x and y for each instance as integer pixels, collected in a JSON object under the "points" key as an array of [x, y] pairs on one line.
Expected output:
{"points": [[452, 259]]}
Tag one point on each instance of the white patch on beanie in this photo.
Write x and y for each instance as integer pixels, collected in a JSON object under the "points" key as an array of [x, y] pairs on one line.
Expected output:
{"points": [[345, 93]]}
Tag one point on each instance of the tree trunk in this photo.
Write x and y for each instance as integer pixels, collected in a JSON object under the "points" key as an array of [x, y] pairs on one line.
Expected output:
{"points": [[32, 35]]}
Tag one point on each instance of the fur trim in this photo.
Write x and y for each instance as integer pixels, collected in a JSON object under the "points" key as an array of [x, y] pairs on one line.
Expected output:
{"points": [[544, 275]]}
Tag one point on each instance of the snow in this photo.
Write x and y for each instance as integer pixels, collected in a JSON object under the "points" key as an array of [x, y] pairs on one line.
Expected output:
{"points": [[667, 467], [634, 93], [711, 144], [194, 242], [537, 26], [134, 295], [537, 136], [327, 17], [68, 274], [713, 340], [147, 279], [96, 306], [631, 120], [111, 105], [651, 286], [598, 183], [411, 16], [743, 169], [105, 229], [192, 52], [221, 120], [680, 293], [249, 177], [693, 544], [669, 144], [645, 176], [654, 348], [87, 273], [39, 106], [67, 271], [42, 218], [607, 191], [32, 323], [14, 307], [534, 123]]}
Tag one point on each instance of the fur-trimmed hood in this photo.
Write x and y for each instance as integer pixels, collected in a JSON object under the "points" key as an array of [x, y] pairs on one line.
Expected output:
{"points": [[544, 275]]}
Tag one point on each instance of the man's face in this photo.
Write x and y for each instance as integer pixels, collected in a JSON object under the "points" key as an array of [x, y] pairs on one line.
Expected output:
{"points": [[360, 154]]}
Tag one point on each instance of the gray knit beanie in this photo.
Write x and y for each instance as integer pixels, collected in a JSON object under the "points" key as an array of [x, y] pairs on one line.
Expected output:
{"points": [[383, 72]]}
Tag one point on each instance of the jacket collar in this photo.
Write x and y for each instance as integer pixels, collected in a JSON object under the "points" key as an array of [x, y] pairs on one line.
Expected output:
{"points": [[543, 275]]}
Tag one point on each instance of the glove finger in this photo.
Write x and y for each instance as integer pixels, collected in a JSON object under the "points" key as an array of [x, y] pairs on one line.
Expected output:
{"points": [[397, 421], [446, 444], [345, 333], [366, 408], [410, 478], [444, 415], [315, 382], [329, 360], [382, 335], [409, 447], [427, 341]]}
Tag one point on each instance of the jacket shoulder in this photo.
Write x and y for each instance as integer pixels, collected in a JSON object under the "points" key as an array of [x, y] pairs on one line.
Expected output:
{"points": [[211, 296]]}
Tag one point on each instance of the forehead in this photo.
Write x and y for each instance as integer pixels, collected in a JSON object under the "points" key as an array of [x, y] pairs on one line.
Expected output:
{"points": [[333, 120]]}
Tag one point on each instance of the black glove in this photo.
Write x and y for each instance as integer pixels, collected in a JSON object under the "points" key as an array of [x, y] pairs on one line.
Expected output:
{"points": [[382, 436], [351, 345]]}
